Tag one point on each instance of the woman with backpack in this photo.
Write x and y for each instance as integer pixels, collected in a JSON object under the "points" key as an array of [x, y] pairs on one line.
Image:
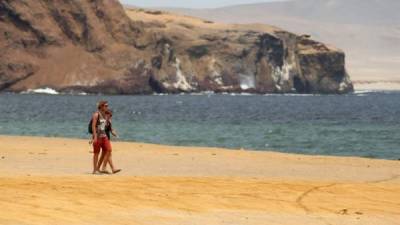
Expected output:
{"points": [[99, 136], [106, 156]]}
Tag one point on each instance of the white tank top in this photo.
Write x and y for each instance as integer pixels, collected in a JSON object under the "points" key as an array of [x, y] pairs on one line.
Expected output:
{"points": [[101, 126]]}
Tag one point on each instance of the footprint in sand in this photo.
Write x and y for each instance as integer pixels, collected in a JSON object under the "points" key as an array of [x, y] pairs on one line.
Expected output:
{"points": [[344, 212]]}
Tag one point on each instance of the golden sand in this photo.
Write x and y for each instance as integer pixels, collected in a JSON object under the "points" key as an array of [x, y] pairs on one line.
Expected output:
{"points": [[48, 181]]}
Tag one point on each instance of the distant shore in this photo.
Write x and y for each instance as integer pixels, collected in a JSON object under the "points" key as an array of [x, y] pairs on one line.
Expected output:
{"points": [[378, 85], [359, 86], [48, 181]]}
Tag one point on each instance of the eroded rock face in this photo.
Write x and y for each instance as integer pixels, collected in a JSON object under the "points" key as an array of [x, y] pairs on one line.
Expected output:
{"points": [[93, 46]]}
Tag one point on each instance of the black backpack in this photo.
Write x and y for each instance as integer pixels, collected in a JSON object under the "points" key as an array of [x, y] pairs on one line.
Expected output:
{"points": [[90, 130]]}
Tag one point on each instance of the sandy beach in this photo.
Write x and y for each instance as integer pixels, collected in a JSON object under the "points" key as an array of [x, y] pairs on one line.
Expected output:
{"points": [[48, 181]]}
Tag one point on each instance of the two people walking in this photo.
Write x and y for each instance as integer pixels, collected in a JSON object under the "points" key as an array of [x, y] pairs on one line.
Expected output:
{"points": [[102, 130]]}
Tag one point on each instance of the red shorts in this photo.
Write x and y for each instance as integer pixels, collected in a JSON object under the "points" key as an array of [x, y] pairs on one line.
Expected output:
{"points": [[101, 143]]}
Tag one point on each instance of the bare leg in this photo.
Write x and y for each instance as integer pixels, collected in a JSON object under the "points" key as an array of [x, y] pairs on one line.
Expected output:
{"points": [[111, 162], [101, 161], [95, 160], [105, 160], [112, 165]]}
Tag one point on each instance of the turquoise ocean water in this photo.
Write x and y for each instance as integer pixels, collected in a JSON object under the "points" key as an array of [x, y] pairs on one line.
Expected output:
{"points": [[362, 124]]}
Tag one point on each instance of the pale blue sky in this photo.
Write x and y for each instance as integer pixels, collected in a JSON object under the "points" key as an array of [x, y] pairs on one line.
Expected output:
{"points": [[189, 3]]}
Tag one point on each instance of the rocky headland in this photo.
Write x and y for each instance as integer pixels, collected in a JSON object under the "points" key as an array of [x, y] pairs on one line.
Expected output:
{"points": [[97, 46]]}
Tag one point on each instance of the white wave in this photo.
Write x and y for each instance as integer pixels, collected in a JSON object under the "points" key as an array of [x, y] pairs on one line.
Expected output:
{"points": [[361, 95], [209, 93], [247, 81], [160, 94], [237, 94], [46, 90], [373, 91], [303, 95], [203, 93], [291, 94], [72, 92], [246, 94], [362, 91], [366, 92]]}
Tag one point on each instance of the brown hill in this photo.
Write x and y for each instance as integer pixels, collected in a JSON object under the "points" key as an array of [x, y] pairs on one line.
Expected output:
{"points": [[94, 46], [367, 30]]}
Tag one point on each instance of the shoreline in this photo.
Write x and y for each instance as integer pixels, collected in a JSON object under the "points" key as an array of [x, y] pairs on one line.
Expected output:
{"points": [[210, 148], [364, 87], [48, 181]]}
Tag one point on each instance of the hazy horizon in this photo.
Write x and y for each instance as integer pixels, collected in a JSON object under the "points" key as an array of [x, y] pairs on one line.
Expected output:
{"points": [[191, 3]]}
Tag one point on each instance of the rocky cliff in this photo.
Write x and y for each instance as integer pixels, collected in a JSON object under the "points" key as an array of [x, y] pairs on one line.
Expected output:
{"points": [[95, 46]]}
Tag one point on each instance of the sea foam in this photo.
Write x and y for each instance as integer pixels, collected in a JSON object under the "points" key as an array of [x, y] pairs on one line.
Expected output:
{"points": [[46, 90]]}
